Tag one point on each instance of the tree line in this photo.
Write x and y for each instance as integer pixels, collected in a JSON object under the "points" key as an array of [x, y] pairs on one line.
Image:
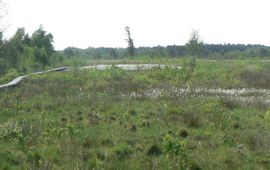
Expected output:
{"points": [[25, 53], [194, 47], [207, 51]]}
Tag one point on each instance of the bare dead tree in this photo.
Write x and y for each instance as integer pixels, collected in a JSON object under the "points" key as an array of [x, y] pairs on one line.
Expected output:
{"points": [[131, 48]]}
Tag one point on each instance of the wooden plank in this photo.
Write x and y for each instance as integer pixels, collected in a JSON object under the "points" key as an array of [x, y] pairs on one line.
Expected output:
{"points": [[17, 80]]}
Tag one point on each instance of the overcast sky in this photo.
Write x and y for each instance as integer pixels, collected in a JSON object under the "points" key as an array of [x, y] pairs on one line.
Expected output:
{"points": [[95, 23]]}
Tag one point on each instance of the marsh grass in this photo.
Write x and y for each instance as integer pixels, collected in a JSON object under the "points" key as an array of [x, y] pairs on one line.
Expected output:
{"points": [[87, 120]]}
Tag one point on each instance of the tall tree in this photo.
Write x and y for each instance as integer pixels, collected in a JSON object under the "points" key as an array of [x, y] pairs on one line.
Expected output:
{"points": [[40, 39], [131, 48], [14, 48], [2, 60], [41, 56], [3, 64], [195, 44]]}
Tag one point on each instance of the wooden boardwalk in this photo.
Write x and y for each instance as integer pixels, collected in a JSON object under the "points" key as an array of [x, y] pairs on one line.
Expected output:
{"points": [[17, 80], [130, 67]]}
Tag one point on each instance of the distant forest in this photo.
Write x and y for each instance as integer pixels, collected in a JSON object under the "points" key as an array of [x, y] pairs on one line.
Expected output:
{"points": [[209, 51], [24, 53]]}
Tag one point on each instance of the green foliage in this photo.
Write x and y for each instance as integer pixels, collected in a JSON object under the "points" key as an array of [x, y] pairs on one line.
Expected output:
{"points": [[194, 44], [176, 150], [121, 152], [109, 119], [11, 131], [25, 53], [208, 51], [52, 130], [132, 112], [41, 56], [154, 150], [41, 39], [12, 73], [188, 68], [173, 146], [267, 116]]}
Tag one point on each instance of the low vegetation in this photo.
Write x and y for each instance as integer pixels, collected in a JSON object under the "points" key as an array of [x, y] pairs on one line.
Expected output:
{"points": [[91, 119]]}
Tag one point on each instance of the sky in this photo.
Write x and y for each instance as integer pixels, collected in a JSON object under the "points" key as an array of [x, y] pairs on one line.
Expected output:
{"points": [[101, 23]]}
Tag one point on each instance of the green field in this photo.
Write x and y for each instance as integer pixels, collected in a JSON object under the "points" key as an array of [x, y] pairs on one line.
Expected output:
{"points": [[116, 119]]}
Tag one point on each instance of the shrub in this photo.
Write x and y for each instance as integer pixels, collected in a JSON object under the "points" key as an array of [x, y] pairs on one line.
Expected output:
{"points": [[87, 143], [11, 74], [194, 166], [51, 129], [11, 131], [172, 146], [132, 112], [176, 151], [34, 158], [13, 158], [236, 125], [154, 150], [132, 128], [183, 133], [145, 123]]}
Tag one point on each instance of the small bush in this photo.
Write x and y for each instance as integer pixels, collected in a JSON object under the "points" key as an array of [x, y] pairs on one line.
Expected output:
{"points": [[12, 73], [63, 119], [11, 131], [194, 166], [177, 152], [11, 158], [145, 123], [87, 143], [154, 150], [132, 112], [79, 118], [236, 125], [172, 146], [79, 113], [132, 128], [111, 118], [183, 133], [34, 158]]}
